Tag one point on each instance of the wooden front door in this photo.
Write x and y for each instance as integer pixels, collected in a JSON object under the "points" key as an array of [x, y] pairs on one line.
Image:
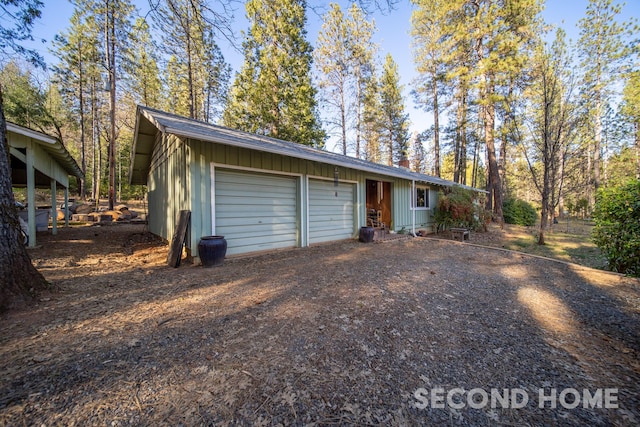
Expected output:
{"points": [[379, 199]]}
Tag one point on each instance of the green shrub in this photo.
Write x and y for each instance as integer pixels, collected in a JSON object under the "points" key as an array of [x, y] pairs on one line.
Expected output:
{"points": [[617, 226], [456, 208], [519, 212]]}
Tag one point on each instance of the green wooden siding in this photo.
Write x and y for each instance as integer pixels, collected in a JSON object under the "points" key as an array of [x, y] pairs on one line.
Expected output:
{"points": [[180, 178], [168, 185]]}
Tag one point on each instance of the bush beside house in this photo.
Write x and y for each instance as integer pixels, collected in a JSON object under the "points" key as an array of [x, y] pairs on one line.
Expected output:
{"points": [[617, 226]]}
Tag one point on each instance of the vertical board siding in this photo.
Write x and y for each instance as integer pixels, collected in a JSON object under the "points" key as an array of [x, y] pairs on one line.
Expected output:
{"points": [[168, 185], [331, 211], [180, 178]]}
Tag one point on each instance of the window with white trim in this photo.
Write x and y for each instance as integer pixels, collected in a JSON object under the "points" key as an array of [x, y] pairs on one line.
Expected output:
{"points": [[421, 197]]}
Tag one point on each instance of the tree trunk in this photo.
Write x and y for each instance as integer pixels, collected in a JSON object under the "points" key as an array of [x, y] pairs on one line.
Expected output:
{"points": [[359, 91], [390, 142], [83, 160], [474, 171], [494, 175], [343, 120], [111, 68], [436, 130], [637, 133], [597, 140], [20, 281], [463, 139]]}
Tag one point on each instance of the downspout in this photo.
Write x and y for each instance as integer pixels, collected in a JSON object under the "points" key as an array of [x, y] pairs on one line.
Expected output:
{"points": [[413, 210]]}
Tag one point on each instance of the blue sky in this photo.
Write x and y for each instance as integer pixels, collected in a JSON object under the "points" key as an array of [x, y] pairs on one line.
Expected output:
{"points": [[392, 35]]}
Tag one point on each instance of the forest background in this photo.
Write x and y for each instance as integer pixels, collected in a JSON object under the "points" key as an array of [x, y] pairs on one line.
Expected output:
{"points": [[529, 101]]}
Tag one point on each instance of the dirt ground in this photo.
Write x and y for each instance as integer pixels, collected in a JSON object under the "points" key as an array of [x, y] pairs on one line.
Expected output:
{"points": [[340, 334]]}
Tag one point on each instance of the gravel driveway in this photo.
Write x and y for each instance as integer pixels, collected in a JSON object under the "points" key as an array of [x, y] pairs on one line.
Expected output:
{"points": [[409, 332]]}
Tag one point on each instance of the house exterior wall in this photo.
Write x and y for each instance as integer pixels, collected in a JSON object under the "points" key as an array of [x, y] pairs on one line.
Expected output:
{"points": [[180, 177], [168, 185]]}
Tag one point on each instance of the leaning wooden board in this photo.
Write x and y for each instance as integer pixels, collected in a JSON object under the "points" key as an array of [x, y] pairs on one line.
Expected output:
{"points": [[175, 250]]}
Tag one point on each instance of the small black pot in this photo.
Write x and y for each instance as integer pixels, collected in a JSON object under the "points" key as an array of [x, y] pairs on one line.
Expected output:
{"points": [[212, 250], [366, 234]]}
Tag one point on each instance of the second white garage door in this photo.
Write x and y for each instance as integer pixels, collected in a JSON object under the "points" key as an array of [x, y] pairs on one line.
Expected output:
{"points": [[330, 211], [254, 211]]}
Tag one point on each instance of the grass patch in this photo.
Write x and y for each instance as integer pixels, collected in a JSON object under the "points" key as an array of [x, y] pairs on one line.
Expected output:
{"points": [[567, 241]]}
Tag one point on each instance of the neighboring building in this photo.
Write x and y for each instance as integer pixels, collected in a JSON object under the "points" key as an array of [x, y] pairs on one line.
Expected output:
{"points": [[40, 161], [262, 193]]}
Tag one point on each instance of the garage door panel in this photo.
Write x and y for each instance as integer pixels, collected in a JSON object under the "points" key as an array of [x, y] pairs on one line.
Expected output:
{"points": [[255, 211], [251, 210], [331, 211]]}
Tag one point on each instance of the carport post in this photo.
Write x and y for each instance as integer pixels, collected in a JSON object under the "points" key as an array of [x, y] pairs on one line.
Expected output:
{"points": [[54, 208], [66, 206], [31, 196]]}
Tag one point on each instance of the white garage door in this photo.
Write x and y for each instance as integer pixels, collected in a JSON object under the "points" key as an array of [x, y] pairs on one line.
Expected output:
{"points": [[330, 211], [254, 211]]}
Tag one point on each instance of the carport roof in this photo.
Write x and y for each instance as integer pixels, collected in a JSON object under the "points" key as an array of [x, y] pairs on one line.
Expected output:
{"points": [[52, 146], [189, 128]]}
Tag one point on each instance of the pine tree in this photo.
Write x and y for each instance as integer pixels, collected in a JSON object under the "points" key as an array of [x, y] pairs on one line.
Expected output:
{"points": [[196, 65], [549, 127], [362, 51], [500, 36], [24, 103], [631, 113], [76, 51], [394, 121], [113, 18], [333, 61], [371, 120], [431, 44], [343, 57], [602, 49], [418, 153], [273, 94], [143, 73]]}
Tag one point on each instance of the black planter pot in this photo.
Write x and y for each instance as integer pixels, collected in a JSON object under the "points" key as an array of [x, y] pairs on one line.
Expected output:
{"points": [[366, 234], [212, 250]]}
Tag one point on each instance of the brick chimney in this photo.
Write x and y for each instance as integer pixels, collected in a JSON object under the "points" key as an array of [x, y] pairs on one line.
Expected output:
{"points": [[403, 162]]}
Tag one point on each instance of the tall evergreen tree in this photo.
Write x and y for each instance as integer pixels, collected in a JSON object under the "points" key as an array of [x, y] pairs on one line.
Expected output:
{"points": [[501, 34], [273, 94], [113, 18], [362, 51], [431, 44], [76, 50], [550, 122], [333, 61], [394, 121], [631, 113], [344, 58], [24, 103], [372, 120], [143, 73], [602, 49], [196, 62]]}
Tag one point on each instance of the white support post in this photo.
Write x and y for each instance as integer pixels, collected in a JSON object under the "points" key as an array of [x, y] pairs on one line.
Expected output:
{"points": [[66, 206], [31, 196], [54, 208]]}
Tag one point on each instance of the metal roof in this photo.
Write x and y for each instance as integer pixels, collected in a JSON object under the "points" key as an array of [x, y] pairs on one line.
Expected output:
{"points": [[52, 146], [194, 129]]}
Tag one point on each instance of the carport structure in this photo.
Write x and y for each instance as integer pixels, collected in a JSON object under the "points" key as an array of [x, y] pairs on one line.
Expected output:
{"points": [[40, 161]]}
